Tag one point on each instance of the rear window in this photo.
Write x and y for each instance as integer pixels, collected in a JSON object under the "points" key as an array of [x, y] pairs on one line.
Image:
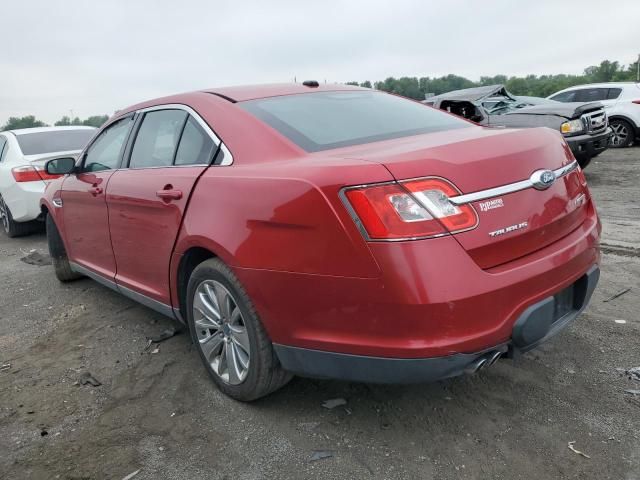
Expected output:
{"points": [[54, 141], [325, 120]]}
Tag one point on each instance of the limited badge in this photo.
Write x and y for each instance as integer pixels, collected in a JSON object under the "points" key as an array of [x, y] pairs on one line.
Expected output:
{"points": [[491, 204]]}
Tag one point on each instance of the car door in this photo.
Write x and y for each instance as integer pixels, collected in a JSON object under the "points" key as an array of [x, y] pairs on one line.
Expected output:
{"points": [[172, 148], [84, 206]]}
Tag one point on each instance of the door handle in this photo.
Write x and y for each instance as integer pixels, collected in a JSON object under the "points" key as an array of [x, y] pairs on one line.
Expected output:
{"points": [[168, 195], [95, 191]]}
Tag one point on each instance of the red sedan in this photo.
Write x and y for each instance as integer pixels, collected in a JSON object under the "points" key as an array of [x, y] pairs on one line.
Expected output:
{"points": [[329, 231]]}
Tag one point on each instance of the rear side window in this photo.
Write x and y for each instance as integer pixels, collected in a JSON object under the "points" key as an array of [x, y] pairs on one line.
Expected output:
{"points": [[196, 146], [3, 145], [325, 120], [54, 141], [591, 94], [105, 152], [614, 93], [157, 139]]}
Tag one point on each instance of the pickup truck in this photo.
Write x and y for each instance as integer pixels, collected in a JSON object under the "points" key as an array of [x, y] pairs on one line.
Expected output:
{"points": [[584, 126]]}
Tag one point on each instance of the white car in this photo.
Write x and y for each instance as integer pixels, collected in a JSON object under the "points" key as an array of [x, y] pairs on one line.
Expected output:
{"points": [[622, 104], [22, 177]]}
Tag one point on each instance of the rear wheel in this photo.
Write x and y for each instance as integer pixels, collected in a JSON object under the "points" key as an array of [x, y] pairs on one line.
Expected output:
{"points": [[58, 253], [623, 133], [230, 338], [10, 226]]}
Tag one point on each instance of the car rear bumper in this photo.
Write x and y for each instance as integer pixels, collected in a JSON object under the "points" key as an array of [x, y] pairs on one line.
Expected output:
{"points": [[23, 200], [535, 325], [588, 146]]}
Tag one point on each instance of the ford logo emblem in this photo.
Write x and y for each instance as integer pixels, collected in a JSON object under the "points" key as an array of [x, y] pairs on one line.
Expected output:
{"points": [[542, 179]]}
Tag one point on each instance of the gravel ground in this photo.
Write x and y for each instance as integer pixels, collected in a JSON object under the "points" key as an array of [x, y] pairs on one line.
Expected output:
{"points": [[158, 414]]}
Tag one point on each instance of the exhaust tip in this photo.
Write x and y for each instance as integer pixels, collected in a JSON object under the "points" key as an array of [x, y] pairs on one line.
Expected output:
{"points": [[493, 358], [476, 366], [486, 361]]}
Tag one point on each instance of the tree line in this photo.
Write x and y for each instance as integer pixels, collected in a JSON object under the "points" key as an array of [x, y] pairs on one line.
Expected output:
{"points": [[531, 85], [30, 121], [419, 88]]}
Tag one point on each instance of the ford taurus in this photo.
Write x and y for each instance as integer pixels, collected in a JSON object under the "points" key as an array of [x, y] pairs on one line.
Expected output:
{"points": [[329, 231]]}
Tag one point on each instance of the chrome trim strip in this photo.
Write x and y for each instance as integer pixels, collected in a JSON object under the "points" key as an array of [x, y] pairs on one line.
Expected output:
{"points": [[127, 292], [561, 172], [509, 188], [228, 158]]}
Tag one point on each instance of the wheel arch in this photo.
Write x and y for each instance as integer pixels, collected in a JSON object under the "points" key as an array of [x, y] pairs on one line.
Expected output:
{"points": [[189, 260], [617, 116], [47, 209]]}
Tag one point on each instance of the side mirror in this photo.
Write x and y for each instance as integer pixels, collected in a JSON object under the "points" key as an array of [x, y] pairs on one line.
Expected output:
{"points": [[60, 166]]}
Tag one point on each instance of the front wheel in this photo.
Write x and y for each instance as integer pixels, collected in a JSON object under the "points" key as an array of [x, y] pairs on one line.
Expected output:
{"points": [[623, 133], [230, 338]]}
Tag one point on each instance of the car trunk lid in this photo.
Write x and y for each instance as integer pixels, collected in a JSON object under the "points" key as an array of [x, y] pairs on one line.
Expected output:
{"points": [[511, 225]]}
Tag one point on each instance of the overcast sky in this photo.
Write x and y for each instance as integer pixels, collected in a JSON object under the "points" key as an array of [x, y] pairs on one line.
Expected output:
{"points": [[94, 57]]}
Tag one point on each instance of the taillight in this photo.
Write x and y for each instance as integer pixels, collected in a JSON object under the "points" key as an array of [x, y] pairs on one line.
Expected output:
{"points": [[636, 102], [30, 173], [410, 210]]}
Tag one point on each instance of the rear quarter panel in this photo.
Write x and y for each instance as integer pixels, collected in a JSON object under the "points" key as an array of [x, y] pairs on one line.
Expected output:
{"points": [[283, 217]]}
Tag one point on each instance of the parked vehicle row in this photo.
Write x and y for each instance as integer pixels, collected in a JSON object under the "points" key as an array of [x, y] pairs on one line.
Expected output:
{"points": [[621, 101], [23, 154], [584, 125], [329, 231]]}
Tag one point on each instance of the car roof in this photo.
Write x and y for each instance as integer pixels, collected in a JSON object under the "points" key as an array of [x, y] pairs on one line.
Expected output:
{"points": [[251, 92], [600, 85], [23, 131], [473, 94]]}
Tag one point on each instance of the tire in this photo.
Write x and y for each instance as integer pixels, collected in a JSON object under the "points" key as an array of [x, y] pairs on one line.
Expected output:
{"points": [[12, 228], [239, 342], [623, 133], [58, 253]]}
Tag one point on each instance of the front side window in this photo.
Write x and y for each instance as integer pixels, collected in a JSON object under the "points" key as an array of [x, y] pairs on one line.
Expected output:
{"points": [[565, 96], [105, 152], [157, 139], [324, 120], [196, 146], [54, 141]]}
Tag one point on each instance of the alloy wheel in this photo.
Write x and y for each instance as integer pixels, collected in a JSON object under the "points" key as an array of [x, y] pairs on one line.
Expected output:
{"points": [[620, 134], [4, 215], [221, 332]]}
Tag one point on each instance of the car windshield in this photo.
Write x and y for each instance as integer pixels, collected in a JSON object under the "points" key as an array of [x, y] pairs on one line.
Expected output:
{"points": [[54, 141], [325, 120]]}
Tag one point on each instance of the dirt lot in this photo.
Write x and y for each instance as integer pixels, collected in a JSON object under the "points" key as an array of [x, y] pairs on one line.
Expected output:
{"points": [[158, 412]]}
